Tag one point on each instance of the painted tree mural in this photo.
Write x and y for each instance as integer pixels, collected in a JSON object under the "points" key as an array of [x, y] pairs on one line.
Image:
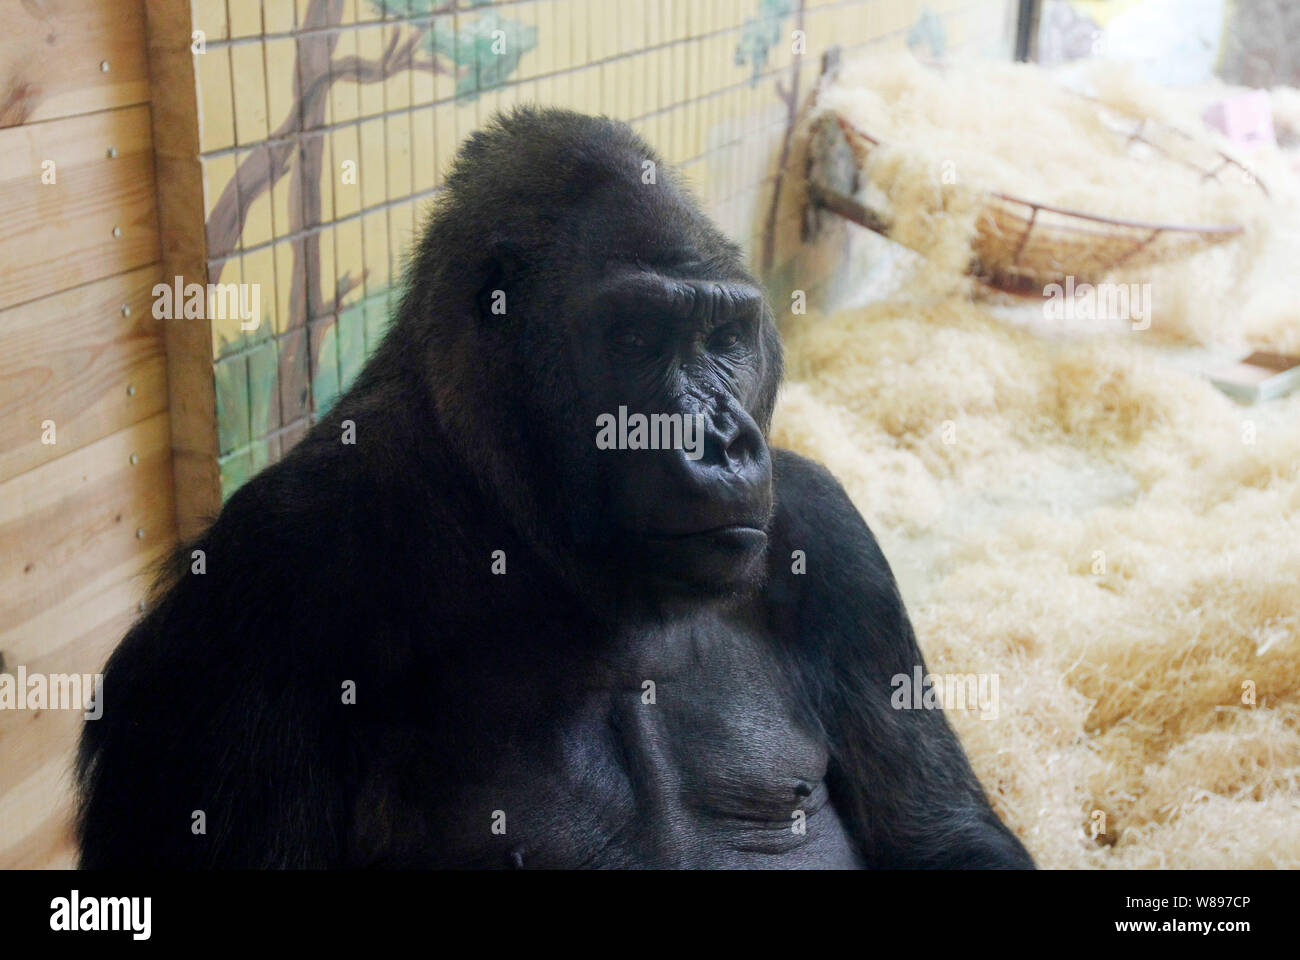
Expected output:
{"points": [[480, 55]]}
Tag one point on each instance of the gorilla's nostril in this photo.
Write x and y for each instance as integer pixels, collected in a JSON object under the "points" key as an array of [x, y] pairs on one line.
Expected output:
{"points": [[741, 447], [732, 439]]}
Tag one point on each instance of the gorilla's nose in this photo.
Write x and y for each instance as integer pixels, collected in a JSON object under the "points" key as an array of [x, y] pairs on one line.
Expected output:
{"points": [[714, 475], [728, 478], [734, 442]]}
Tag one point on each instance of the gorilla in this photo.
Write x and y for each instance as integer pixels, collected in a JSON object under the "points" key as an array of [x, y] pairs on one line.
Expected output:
{"points": [[450, 629]]}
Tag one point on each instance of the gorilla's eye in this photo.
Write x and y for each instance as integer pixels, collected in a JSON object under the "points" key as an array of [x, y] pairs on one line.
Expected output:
{"points": [[629, 339], [725, 338]]}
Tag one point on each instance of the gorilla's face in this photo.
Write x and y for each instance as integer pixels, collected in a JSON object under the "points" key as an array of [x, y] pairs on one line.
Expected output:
{"points": [[674, 362], [611, 371]]}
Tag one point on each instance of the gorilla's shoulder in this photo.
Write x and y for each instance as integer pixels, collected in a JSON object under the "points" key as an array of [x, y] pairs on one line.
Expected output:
{"points": [[291, 503], [322, 492], [814, 516], [811, 503], [294, 530]]}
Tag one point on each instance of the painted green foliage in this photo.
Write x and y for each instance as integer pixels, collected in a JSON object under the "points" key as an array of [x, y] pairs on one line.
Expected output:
{"points": [[489, 49], [760, 34], [483, 54]]}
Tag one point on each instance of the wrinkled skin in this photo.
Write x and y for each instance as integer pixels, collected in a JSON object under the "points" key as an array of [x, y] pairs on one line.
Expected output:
{"points": [[649, 682]]}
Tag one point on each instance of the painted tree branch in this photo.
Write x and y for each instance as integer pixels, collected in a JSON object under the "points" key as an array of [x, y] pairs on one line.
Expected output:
{"points": [[347, 283], [258, 173], [315, 73]]}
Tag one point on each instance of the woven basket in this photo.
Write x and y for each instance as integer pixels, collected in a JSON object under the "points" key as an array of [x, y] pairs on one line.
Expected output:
{"points": [[1021, 246]]}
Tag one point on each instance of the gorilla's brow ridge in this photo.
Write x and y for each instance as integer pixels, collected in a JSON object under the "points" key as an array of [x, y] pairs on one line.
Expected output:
{"points": [[710, 300]]}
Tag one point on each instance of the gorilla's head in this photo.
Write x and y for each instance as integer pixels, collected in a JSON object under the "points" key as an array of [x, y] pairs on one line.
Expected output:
{"points": [[599, 356]]}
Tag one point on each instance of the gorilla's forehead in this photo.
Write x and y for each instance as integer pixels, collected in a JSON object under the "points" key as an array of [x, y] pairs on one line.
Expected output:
{"points": [[621, 218]]}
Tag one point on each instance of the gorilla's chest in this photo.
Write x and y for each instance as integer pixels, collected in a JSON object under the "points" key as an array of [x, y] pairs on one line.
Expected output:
{"points": [[681, 749]]}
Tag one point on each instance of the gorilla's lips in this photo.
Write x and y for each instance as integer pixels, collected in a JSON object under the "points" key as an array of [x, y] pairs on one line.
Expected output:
{"points": [[723, 557], [743, 535]]}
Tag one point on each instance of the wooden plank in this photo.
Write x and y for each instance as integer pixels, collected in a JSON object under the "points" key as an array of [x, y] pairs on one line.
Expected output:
{"points": [[50, 846], [97, 609], [37, 814], [29, 738], [66, 521], [95, 220], [182, 222], [72, 573], [89, 359], [59, 58]]}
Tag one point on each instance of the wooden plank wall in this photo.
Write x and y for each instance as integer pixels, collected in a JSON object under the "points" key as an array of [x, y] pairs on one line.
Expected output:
{"points": [[82, 519]]}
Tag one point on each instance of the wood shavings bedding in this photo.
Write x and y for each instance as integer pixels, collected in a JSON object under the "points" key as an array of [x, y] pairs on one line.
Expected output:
{"points": [[1110, 535]]}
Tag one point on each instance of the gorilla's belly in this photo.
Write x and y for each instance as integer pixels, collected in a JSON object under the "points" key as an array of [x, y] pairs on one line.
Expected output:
{"points": [[687, 754]]}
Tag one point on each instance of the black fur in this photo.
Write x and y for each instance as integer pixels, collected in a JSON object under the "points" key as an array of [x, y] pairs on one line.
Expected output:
{"points": [[480, 695]]}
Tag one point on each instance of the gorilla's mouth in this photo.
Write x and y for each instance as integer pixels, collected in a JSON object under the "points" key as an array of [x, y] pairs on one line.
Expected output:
{"points": [[740, 534], [717, 558]]}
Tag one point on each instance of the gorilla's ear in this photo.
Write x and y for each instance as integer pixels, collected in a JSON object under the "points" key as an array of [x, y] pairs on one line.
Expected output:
{"points": [[498, 271], [492, 300]]}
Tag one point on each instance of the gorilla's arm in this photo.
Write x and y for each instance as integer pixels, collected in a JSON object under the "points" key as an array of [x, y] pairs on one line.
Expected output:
{"points": [[220, 743], [899, 778]]}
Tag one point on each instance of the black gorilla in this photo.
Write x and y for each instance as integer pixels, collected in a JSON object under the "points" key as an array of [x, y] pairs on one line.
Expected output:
{"points": [[477, 637]]}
